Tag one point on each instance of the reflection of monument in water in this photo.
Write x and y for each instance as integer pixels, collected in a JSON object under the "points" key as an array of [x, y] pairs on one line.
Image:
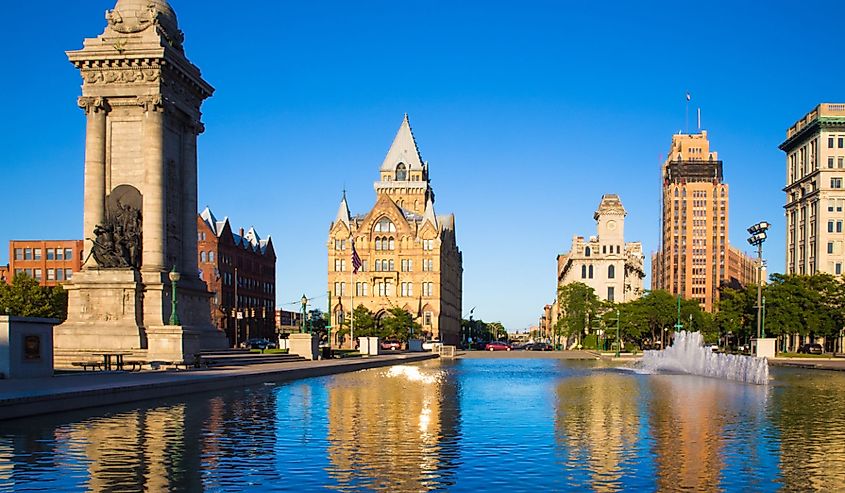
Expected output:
{"points": [[597, 420], [393, 430], [687, 438], [142, 99]]}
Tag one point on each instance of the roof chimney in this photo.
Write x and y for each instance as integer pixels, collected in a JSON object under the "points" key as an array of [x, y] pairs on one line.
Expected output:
{"points": [[241, 232]]}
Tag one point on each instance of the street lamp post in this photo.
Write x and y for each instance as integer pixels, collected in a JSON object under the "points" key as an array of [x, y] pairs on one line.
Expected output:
{"points": [[174, 279], [304, 302], [758, 236], [618, 340]]}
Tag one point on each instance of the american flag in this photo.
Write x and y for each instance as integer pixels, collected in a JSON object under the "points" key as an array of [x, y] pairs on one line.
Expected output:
{"points": [[356, 260]]}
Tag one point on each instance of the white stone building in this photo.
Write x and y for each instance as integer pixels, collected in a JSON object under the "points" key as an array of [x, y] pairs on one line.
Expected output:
{"points": [[605, 262]]}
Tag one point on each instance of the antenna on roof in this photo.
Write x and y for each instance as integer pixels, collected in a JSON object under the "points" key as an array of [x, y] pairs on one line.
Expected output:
{"points": [[699, 119], [689, 98]]}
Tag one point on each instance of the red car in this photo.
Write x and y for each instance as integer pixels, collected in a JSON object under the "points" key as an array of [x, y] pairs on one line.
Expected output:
{"points": [[391, 345], [497, 346]]}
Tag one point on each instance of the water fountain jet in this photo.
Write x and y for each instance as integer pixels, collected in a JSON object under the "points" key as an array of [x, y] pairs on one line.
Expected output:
{"points": [[687, 355]]}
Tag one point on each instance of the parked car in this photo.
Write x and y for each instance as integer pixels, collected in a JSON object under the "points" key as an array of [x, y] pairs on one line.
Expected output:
{"points": [[811, 349], [391, 345], [497, 346], [258, 344], [539, 346], [432, 345], [519, 345]]}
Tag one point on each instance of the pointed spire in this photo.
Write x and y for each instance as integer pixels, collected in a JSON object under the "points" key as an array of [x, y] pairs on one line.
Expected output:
{"points": [[403, 150], [429, 214], [343, 212]]}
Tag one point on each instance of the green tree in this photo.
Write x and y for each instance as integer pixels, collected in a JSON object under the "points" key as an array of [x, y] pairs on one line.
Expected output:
{"points": [[497, 330], [26, 298], [579, 305], [736, 313], [365, 324], [398, 324]]}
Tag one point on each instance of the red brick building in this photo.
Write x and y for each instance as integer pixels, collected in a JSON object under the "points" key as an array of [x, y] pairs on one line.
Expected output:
{"points": [[50, 262], [240, 270]]}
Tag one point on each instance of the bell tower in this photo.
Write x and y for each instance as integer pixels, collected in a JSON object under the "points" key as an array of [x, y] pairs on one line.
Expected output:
{"points": [[404, 175]]}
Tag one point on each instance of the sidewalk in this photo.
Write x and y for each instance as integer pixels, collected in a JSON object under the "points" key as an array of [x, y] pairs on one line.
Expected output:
{"points": [[29, 397], [834, 364]]}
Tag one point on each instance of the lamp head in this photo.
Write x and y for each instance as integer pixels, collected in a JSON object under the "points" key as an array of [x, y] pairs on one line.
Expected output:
{"points": [[174, 276]]}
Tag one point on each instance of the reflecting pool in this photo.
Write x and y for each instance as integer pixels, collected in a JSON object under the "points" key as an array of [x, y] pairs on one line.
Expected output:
{"points": [[463, 425]]}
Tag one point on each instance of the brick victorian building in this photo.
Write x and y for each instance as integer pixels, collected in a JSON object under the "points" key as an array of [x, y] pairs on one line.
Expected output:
{"points": [[240, 270], [409, 254]]}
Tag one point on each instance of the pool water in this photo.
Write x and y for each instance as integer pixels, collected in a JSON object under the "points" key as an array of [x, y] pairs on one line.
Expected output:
{"points": [[465, 425]]}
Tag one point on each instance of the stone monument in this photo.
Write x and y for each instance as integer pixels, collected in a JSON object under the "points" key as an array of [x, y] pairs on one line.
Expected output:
{"points": [[142, 99]]}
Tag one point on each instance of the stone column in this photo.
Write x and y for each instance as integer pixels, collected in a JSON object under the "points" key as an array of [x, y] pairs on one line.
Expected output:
{"points": [[189, 199], [94, 212], [155, 208]]}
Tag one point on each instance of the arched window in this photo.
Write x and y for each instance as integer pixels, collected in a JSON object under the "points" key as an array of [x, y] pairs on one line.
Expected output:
{"points": [[202, 257], [391, 244], [211, 256], [378, 243], [583, 272], [611, 272], [590, 271], [401, 172], [385, 225], [391, 266], [587, 251]]}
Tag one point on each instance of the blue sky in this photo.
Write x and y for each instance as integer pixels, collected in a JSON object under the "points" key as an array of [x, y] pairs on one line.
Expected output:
{"points": [[527, 115]]}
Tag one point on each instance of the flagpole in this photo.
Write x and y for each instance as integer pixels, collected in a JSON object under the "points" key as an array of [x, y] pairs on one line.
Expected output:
{"points": [[352, 293]]}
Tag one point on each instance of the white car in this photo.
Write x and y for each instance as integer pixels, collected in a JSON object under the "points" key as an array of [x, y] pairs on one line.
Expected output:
{"points": [[432, 345]]}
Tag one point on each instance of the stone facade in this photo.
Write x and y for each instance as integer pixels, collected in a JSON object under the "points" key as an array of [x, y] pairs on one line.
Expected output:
{"points": [[815, 193], [240, 270], [693, 260], [605, 262], [410, 257], [142, 98]]}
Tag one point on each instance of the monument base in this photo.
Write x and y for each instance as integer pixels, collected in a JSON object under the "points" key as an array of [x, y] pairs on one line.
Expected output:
{"points": [[304, 345], [26, 347], [179, 343], [104, 312]]}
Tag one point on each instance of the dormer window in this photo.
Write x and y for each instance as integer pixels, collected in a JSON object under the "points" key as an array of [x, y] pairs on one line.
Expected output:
{"points": [[401, 172], [384, 225]]}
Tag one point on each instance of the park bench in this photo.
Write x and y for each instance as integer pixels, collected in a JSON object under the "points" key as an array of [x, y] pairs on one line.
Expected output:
{"points": [[94, 365], [133, 365]]}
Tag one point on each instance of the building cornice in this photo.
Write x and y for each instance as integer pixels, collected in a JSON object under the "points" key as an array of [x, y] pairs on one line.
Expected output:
{"points": [[824, 122]]}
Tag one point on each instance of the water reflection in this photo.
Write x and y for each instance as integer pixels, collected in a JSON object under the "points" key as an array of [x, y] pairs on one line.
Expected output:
{"points": [[810, 419], [687, 438], [388, 430], [471, 425], [597, 422]]}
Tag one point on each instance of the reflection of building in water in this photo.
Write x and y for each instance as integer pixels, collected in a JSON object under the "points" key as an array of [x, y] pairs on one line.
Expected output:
{"points": [[812, 430], [597, 421], [687, 432], [393, 429]]}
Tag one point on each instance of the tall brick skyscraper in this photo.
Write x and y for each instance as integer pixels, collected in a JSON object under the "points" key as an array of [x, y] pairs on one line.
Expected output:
{"points": [[694, 258]]}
